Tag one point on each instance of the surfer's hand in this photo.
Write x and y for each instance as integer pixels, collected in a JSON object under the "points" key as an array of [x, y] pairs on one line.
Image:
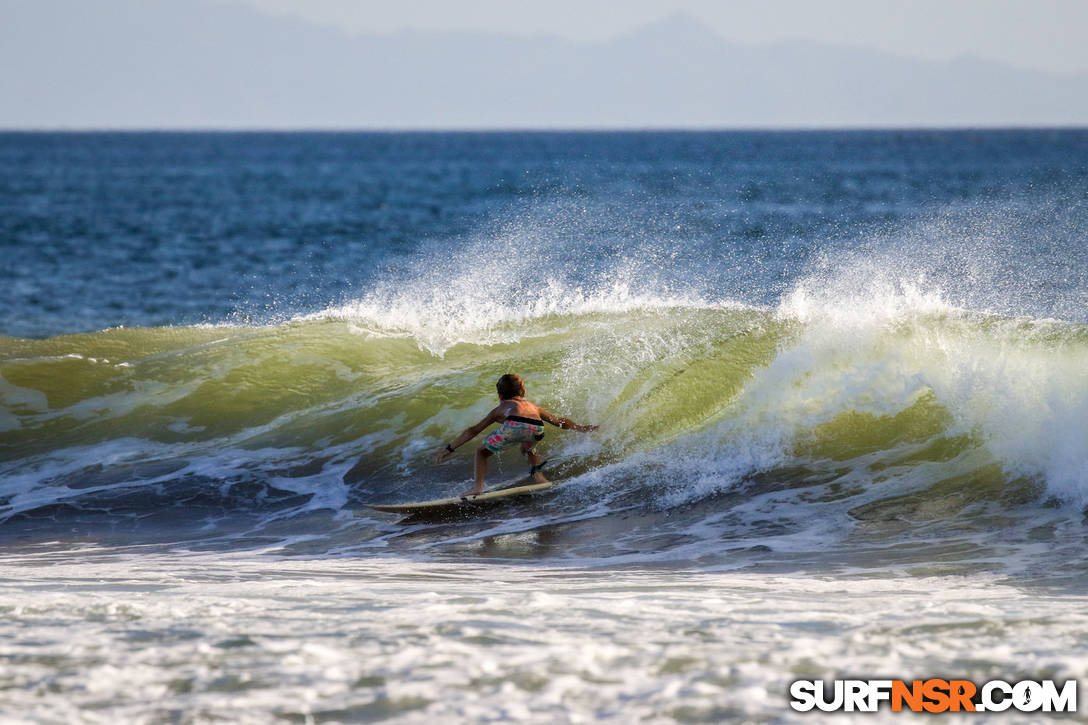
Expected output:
{"points": [[589, 428], [442, 455]]}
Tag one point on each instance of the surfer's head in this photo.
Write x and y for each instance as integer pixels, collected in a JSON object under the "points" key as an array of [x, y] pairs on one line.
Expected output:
{"points": [[510, 386]]}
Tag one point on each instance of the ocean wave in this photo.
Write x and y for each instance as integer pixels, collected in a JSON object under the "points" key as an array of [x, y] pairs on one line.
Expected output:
{"points": [[892, 405]]}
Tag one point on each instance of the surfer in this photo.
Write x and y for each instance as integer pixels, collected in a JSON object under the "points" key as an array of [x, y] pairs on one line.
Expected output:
{"points": [[522, 423]]}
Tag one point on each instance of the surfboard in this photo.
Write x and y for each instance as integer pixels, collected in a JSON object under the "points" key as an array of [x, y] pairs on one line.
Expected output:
{"points": [[461, 503]]}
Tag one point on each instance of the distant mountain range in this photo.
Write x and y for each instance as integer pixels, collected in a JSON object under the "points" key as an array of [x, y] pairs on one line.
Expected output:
{"points": [[211, 64]]}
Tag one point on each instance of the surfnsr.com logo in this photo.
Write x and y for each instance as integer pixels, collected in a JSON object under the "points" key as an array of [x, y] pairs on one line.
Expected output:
{"points": [[933, 695]]}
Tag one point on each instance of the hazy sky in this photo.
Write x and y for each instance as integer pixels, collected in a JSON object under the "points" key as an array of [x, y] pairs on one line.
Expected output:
{"points": [[1043, 34], [297, 64]]}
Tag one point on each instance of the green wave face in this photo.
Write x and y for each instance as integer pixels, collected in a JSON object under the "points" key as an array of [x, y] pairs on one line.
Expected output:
{"points": [[690, 399], [315, 383]]}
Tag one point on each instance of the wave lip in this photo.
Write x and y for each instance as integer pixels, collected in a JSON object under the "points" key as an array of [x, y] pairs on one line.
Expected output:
{"points": [[439, 319]]}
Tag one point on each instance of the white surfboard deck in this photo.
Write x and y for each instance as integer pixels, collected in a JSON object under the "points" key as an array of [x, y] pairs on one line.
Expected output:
{"points": [[457, 503]]}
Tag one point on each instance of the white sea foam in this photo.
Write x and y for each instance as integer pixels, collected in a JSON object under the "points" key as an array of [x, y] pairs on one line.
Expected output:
{"points": [[874, 343], [438, 318], [249, 638]]}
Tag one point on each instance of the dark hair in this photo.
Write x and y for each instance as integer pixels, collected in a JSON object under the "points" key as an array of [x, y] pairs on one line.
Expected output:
{"points": [[510, 386]]}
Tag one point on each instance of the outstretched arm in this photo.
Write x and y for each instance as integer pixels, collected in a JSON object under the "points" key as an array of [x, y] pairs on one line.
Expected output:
{"points": [[565, 423], [468, 434]]}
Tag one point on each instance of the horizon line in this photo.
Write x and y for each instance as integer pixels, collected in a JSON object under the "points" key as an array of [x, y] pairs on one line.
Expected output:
{"points": [[984, 126]]}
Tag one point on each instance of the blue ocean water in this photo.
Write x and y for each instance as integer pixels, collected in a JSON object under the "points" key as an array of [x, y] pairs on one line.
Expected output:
{"points": [[155, 229], [839, 378]]}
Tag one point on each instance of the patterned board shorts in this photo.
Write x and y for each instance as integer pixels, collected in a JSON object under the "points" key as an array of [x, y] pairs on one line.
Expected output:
{"points": [[514, 430]]}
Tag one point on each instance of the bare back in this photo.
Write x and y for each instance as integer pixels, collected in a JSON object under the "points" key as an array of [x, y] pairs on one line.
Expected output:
{"points": [[520, 407]]}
